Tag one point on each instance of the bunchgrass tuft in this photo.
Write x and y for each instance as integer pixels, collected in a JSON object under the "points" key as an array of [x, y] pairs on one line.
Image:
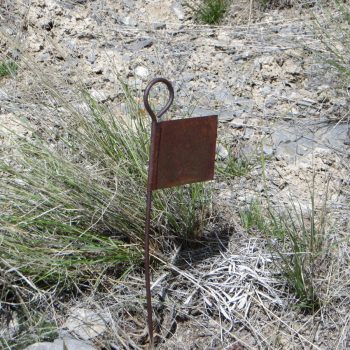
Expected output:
{"points": [[209, 11], [7, 68], [296, 239], [333, 29], [72, 192]]}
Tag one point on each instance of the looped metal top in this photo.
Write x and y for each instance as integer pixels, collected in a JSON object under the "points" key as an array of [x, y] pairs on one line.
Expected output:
{"points": [[169, 102]]}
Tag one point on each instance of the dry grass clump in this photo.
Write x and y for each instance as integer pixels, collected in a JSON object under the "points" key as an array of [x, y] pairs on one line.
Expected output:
{"points": [[332, 25], [72, 189], [297, 239]]}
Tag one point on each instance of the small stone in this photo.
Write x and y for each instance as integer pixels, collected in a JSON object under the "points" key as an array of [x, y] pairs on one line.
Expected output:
{"points": [[158, 26], [221, 152], [97, 69], [260, 187], [44, 57], [268, 150], [35, 46], [226, 116], [45, 346], [85, 323], [265, 90], [98, 95], [91, 57], [248, 133], [139, 44], [186, 77], [282, 136], [3, 95], [202, 112], [129, 3], [178, 10], [129, 21], [223, 95], [141, 72], [271, 101], [292, 68], [58, 344]]}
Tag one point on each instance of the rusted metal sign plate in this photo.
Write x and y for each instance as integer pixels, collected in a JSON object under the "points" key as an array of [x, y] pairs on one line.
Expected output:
{"points": [[184, 151]]}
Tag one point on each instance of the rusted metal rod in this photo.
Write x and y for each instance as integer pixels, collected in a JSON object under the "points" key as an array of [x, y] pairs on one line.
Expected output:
{"points": [[149, 193]]}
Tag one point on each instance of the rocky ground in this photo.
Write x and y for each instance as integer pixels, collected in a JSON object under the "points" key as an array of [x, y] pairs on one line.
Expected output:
{"points": [[279, 106]]}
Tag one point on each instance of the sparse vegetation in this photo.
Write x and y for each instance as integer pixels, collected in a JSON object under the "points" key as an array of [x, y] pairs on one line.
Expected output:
{"points": [[73, 198], [209, 11], [233, 166], [7, 68], [297, 239], [336, 40]]}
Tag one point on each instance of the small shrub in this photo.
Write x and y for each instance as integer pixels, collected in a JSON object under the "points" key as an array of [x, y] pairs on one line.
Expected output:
{"points": [[8, 68], [209, 11]]}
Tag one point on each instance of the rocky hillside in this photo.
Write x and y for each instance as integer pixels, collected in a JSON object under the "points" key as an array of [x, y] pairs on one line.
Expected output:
{"points": [[281, 109]]}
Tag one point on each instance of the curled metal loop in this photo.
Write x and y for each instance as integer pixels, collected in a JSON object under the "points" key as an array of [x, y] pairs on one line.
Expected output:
{"points": [[146, 96]]}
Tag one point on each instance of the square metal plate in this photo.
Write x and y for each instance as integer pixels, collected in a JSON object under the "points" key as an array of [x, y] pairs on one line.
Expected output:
{"points": [[184, 151]]}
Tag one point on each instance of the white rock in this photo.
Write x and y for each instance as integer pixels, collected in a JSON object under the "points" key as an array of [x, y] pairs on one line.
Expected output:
{"points": [[98, 95], [141, 72], [85, 323], [178, 10]]}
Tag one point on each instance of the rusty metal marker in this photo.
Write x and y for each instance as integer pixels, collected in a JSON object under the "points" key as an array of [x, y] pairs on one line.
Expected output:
{"points": [[182, 151]]}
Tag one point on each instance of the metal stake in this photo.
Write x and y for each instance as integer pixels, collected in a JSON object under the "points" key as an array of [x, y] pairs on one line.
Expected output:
{"points": [[182, 151], [149, 193]]}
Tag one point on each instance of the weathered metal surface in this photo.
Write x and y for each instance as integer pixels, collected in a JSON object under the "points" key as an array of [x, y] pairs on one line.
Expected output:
{"points": [[182, 151]]}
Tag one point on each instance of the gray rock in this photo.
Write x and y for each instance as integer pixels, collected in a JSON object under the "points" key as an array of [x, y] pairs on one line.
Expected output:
{"points": [[186, 77], [159, 25], [268, 150], [248, 133], [265, 90], [224, 95], [129, 3], [306, 102], [287, 151], [45, 346], [44, 57], [271, 101], [86, 323], [226, 116], [58, 344], [91, 57], [3, 95], [139, 44], [221, 152], [201, 112], [292, 68], [283, 136]]}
